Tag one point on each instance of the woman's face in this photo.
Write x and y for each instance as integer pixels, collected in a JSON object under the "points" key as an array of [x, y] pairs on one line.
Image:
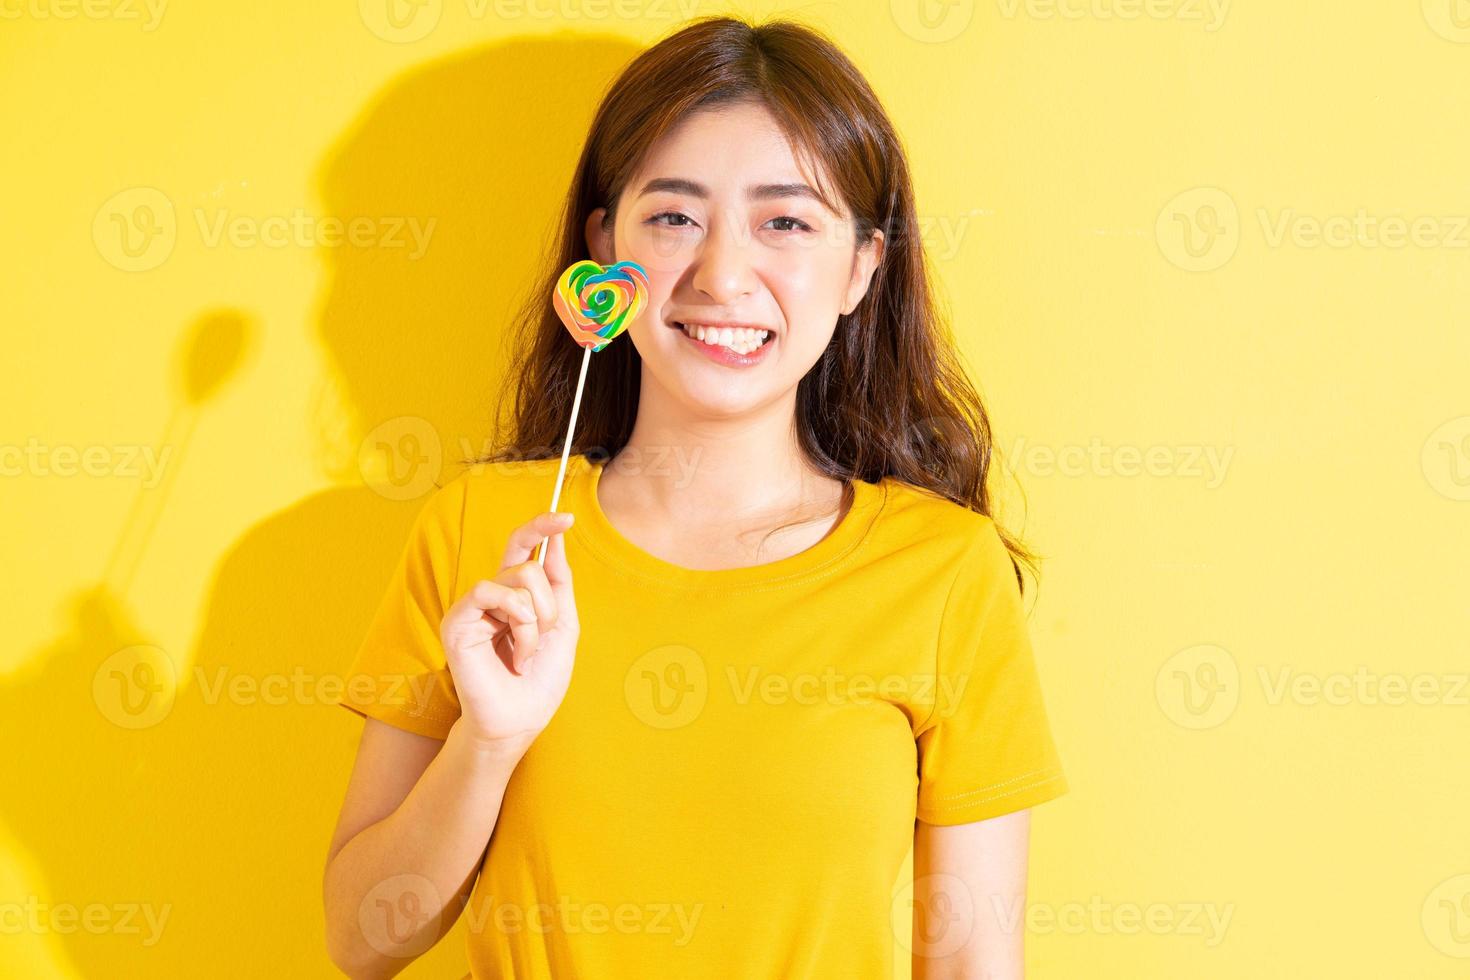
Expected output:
{"points": [[729, 231]]}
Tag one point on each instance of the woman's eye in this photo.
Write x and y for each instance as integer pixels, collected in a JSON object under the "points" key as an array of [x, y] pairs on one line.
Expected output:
{"points": [[658, 219], [676, 219], [796, 224]]}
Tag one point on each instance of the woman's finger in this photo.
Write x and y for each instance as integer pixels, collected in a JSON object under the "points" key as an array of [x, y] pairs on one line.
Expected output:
{"points": [[559, 576], [526, 636], [525, 539], [531, 576], [506, 603]]}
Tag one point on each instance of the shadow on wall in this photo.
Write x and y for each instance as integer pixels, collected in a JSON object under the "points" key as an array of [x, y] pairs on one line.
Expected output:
{"points": [[209, 813]]}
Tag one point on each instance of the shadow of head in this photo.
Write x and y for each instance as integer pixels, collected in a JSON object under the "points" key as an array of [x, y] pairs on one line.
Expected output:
{"points": [[469, 161]]}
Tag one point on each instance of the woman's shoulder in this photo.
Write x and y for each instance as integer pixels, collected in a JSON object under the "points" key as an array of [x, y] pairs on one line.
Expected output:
{"points": [[507, 485], [476, 505], [470, 489], [923, 517], [921, 505]]}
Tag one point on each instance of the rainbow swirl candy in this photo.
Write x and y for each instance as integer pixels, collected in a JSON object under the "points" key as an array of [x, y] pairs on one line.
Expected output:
{"points": [[597, 304]]}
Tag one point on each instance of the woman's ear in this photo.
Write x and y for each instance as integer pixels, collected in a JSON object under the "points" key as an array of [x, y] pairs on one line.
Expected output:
{"points": [[864, 263], [599, 242]]}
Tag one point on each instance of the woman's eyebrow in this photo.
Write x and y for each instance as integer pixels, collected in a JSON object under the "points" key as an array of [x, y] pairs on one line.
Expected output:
{"points": [[756, 192]]}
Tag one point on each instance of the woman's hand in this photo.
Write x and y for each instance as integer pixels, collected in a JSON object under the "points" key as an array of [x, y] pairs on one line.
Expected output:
{"points": [[510, 641]]}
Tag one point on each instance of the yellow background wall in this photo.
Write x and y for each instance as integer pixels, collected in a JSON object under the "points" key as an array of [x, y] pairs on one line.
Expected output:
{"points": [[1208, 261]]}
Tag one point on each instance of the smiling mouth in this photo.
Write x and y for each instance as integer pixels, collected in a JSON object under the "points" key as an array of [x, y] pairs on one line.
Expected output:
{"points": [[741, 340]]}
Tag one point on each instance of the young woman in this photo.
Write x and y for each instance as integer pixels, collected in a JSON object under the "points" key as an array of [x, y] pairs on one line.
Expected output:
{"points": [[804, 727]]}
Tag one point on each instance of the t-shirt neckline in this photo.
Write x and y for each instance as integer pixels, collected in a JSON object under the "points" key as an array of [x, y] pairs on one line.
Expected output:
{"points": [[596, 533]]}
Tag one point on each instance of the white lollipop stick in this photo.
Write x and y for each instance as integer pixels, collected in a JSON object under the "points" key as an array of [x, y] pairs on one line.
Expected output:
{"points": [[566, 448]]}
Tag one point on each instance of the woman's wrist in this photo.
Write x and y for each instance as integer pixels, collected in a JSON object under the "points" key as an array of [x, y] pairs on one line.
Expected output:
{"points": [[499, 749]]}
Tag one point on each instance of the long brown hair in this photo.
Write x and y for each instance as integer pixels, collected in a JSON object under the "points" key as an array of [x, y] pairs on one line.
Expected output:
{"points": [[888, 397]]}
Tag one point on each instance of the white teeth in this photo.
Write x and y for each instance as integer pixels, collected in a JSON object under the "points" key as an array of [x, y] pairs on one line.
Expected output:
{"points": [[742, 340]]}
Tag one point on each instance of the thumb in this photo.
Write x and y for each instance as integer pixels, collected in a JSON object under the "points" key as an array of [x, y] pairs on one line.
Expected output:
{"points": [[559, 575]]}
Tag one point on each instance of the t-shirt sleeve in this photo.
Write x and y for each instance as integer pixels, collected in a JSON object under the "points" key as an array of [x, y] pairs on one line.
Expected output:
{"points": [[400, 674], [986, 748]]}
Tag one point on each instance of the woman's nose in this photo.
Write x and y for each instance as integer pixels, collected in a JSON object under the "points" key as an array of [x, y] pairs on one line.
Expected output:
{"points": [[722, 270]]}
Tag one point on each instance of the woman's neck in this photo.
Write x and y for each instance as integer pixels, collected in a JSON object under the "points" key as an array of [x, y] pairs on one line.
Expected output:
{"points": [[693, 486]]}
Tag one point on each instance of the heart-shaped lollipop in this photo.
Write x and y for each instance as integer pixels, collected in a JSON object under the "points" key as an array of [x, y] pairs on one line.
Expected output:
{"points": [[596, 304]]}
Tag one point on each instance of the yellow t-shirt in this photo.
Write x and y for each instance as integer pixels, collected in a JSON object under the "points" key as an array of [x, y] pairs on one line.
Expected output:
{"points": [[730, 787]]}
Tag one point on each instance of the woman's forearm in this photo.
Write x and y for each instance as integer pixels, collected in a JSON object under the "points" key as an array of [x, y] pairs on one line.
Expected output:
{"points": [[400, 884]]}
